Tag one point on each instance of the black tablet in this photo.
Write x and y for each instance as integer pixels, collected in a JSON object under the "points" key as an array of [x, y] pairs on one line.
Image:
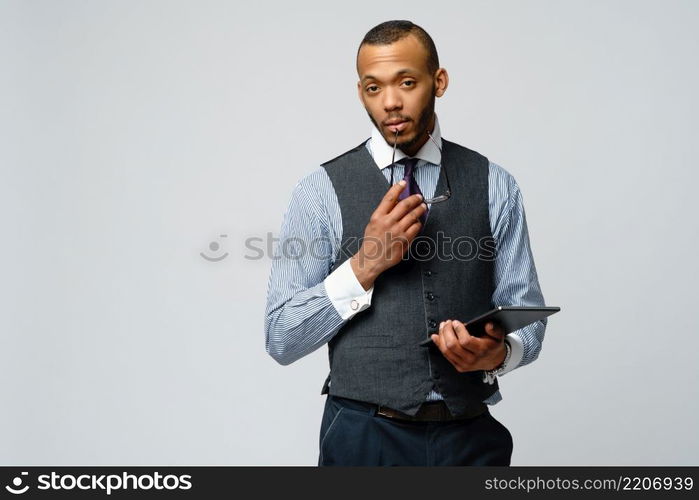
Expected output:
{"points": [[510, 318]]}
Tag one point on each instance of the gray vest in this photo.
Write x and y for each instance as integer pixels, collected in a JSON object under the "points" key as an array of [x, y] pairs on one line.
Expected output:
{"points": [[446, 274]]}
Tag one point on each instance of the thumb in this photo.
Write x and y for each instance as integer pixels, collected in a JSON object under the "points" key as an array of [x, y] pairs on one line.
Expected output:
{"points": [[494, 331]]}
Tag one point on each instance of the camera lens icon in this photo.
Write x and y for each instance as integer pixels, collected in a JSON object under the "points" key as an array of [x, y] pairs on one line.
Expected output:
{"points": [[17, 482], [214, 246]]}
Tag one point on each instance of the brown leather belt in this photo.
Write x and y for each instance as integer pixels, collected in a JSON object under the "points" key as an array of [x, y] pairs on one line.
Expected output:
{"points": [[432, 411]]}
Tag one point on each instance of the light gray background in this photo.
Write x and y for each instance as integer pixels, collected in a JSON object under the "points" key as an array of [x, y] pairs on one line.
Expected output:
{"points": [[134, 134]]}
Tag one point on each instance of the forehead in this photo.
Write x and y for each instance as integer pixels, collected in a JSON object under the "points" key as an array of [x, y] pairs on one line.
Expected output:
{"points": [[384, 61]]}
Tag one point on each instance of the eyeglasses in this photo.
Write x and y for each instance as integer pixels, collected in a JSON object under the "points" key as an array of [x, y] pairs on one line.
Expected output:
{"points": [[437, 199]]}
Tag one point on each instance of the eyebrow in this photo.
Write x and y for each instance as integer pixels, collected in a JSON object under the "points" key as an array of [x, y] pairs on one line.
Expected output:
{"points": [[399, 72]]}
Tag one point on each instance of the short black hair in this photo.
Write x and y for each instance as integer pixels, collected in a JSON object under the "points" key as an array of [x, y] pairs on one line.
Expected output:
{"points": [[391, 31]]}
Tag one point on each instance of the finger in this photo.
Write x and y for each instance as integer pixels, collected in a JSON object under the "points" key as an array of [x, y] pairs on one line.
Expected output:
{"points": [[390, 198], [404, 206], [494, 331], [413, 230], [437, 337], [466, 341], [412, 217], [439, 341], [451, 341]]}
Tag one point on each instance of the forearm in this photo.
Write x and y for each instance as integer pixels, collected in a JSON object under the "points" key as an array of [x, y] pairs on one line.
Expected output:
{"points": [[299, 321], [301, 325]]}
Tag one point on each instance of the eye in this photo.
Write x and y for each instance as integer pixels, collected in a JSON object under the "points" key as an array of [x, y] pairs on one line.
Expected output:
{"points": [[411, 82], [371, 88]]}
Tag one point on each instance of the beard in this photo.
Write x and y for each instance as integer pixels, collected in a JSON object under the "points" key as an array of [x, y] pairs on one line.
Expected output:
{"points": [[421, 127]]}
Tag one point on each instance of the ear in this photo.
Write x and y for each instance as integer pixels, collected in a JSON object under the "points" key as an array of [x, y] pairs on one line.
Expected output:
{"points": [[359, 93], [441, 82]]}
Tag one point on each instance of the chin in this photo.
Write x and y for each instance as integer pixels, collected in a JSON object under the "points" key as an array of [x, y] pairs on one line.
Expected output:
{"points": [[403, 137]]}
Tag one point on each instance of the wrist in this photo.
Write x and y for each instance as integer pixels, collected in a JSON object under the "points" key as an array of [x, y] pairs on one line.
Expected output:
{"points": [[365, 272], [489, 375], [503, 356]]}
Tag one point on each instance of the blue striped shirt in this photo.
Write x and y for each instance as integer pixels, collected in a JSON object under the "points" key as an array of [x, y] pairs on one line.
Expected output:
{"points": [[307, 304]]}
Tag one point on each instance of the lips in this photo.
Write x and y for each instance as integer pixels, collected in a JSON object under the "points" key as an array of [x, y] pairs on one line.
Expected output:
{"points": [[396, 125]]}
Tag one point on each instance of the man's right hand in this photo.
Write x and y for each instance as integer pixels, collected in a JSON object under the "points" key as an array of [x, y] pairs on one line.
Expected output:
{"points": [[392, 227]]}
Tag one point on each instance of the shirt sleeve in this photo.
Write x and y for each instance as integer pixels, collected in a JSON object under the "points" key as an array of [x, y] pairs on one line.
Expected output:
{"points": [[516, 280], [306, 304]]}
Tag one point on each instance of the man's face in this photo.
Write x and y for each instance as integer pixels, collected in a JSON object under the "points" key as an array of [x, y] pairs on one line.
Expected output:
{"points": [[397, 91]]}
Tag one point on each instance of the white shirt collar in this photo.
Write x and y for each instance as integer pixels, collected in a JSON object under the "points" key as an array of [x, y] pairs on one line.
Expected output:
{"points": [[382, 152]]}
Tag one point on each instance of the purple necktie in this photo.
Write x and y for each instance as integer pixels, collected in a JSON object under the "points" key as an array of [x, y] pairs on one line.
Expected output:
{"points": [[411, 186]]}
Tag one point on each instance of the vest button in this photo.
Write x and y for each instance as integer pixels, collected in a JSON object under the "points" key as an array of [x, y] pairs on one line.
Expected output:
{"points": [[430, 296], [432, 323], [428, 273]]}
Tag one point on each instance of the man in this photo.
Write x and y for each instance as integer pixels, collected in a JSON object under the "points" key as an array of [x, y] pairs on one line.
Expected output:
{"points": [[374, 269]]}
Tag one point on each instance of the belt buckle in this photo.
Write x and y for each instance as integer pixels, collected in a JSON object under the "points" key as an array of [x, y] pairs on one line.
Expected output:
{"points": [[385, 411], [381, 411]]}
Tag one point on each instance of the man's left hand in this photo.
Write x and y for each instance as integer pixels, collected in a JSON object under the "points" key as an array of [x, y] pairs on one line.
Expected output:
{"points": [[468, 353]]}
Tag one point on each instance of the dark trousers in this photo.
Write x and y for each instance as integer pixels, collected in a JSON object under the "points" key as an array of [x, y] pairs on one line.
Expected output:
{"points": [[352, 434]]}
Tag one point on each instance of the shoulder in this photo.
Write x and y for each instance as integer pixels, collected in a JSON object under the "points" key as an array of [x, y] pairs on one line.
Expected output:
{"points": [[314, 186], [314, 199], [500, 179], [504, 197], [458, 150], [339, 159], [497, 175]]}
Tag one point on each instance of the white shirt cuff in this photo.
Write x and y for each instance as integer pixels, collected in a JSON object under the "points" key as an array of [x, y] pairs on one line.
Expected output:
{"points": [[346, 292], [517, 353]]}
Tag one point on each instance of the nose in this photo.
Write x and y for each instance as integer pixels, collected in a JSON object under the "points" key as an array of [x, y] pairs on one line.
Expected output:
{"points": [[391, 99]]}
